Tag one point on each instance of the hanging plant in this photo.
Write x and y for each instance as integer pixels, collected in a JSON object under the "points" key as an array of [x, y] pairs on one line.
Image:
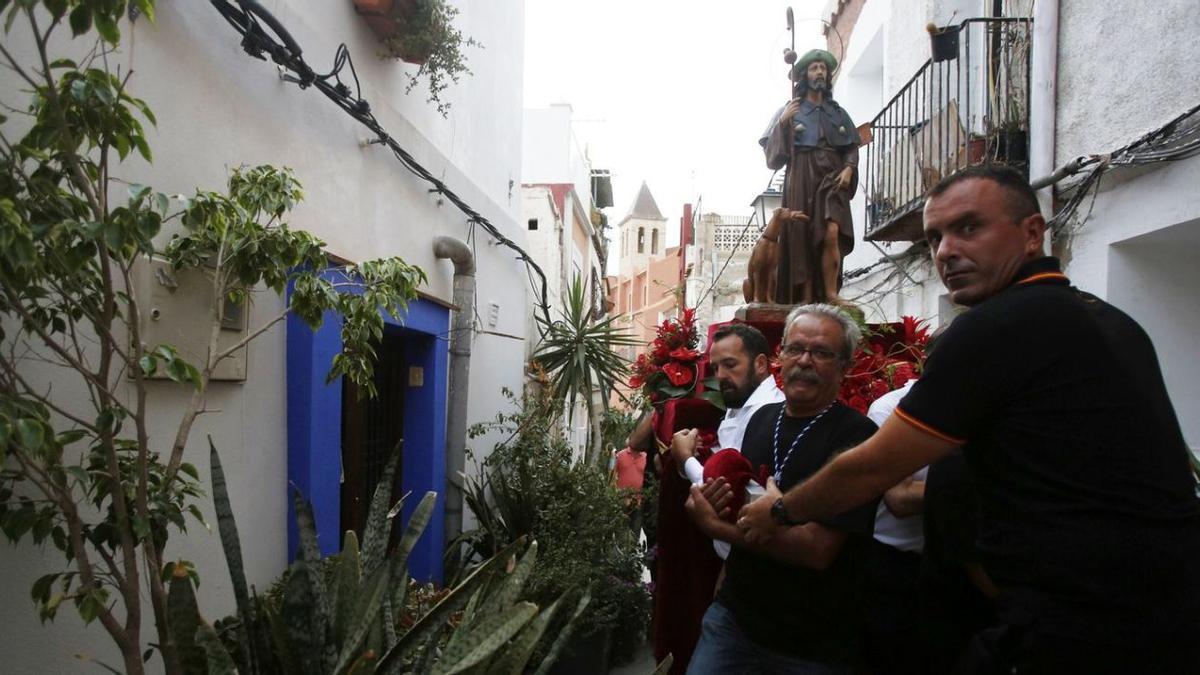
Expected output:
{"points": [[422, 32]]}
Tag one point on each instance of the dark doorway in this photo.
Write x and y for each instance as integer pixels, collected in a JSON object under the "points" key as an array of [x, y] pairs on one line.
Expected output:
{"points": [[371, 428]]}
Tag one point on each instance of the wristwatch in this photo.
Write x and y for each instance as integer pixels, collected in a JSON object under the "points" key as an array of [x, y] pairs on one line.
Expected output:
{"points": [[779, 514]]}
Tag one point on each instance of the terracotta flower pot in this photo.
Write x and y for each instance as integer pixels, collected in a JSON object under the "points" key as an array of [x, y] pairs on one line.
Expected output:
{"points": [[385, 17]]}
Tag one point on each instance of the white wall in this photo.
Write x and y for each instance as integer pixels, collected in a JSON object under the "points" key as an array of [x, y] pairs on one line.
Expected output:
{"points": [[552, 153], [1154, 278], [1123, 71], [218, 108]]}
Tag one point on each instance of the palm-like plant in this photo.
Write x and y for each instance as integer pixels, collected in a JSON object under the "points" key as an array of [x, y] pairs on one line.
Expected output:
{"points": [[581, 359]]}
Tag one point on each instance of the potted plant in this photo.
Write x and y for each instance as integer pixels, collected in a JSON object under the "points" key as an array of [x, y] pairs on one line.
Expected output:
{"points": [[943, 42], [421, 32]]}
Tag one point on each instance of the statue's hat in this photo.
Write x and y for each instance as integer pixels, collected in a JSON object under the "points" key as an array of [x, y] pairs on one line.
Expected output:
{"points": [[809, 57]]}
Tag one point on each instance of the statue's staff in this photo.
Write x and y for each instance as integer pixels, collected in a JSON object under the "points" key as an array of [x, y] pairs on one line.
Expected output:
{"points": [[789, 54]]}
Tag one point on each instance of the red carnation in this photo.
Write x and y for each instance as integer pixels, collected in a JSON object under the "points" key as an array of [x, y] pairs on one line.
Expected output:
{"points": [[677, 374]]}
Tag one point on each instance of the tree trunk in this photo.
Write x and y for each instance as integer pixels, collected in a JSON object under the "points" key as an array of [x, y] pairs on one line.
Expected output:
{"points": [[596, 451]]}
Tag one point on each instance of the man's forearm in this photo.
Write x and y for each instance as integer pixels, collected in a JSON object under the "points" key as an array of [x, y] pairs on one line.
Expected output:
{"points": [[865, 472], [803, 545], [842, 485], [906, 499]]}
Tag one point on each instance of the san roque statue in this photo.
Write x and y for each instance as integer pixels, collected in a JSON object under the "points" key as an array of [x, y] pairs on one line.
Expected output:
{"points": [[816, 141]]}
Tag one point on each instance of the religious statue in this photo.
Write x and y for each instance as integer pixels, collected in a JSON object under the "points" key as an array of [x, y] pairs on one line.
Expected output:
{"points": [[814, 138]]}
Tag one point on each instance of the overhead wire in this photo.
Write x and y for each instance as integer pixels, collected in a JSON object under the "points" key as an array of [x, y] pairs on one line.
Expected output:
{"points": [[1176, 140], [248, 18]]}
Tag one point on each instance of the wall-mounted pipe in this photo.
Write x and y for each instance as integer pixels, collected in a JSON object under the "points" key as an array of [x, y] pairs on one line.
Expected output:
{"points": [[1043, 101], [461, 334]]}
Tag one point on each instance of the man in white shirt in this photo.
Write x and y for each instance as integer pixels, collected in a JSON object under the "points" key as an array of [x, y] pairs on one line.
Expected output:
{"points": [[738, 359], [891, 639]]}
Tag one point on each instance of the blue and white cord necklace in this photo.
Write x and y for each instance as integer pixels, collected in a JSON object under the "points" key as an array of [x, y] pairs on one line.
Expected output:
{"points": [[795, 442]]}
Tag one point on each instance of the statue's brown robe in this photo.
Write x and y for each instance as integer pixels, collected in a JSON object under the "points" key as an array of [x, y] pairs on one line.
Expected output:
{"points": [[810, 185]]}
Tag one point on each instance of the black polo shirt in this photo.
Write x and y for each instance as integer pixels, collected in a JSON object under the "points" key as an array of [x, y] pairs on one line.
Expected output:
{"points": [[802, 612], [1089, 518]]}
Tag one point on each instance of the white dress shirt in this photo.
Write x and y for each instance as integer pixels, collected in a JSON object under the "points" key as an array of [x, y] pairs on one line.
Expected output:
{"points": [[730, 435], [904, 534]]}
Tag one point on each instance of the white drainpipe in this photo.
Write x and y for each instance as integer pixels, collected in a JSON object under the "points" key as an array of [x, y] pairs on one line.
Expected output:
{"points": [[1043, 98]]}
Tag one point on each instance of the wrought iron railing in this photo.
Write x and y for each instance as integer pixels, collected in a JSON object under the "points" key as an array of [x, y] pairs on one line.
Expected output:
{"points": [[971, 108]]}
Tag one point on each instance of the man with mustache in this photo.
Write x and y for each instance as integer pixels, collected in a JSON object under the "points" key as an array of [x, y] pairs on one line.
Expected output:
{"points": [[1089, 519], [817, 142], [791, 604]]}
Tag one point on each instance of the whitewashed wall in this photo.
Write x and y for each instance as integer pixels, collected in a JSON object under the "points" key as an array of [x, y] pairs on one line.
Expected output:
{"points": [[1139, 244], [219, 108]]}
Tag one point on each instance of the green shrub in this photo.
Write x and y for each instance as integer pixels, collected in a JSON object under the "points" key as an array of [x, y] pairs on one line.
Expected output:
{"points": [[531, 485]]}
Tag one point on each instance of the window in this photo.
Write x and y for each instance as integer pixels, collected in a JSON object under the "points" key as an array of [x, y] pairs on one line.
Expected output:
{"points": [[641, 240], [533, 223], [654, 241]]}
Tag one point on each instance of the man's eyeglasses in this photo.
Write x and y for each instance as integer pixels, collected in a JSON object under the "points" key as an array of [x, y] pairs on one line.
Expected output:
{"points": [[818, 354]]}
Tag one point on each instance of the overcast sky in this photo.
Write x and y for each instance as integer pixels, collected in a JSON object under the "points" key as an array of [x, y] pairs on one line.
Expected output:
{"points": [[671, 92]]}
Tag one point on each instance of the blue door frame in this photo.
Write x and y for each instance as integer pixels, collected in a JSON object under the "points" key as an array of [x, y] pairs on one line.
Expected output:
{"points": [[314, 425]]}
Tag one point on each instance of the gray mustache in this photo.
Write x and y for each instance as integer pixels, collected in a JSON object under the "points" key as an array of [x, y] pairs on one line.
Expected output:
{"points": [[802, 375]]}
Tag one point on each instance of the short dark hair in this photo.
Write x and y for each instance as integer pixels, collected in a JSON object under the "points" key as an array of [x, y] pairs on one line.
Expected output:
{"points": [[753, 341], [1023, 202]]}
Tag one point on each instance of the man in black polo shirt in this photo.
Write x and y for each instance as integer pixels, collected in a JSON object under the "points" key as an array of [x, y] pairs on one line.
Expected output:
{"points": [[1089, 524], [791, 605]]}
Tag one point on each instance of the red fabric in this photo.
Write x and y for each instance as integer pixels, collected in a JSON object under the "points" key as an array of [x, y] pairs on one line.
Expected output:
{"points": [[737, 471], [687, 565]]}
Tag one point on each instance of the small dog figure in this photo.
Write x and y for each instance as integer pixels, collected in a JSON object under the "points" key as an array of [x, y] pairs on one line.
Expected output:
{"points": [[759, 285]]}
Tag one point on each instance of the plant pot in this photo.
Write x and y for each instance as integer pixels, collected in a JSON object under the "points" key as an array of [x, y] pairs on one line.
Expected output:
{"points": [[943, 43], [385, 17], [1011, 146], [976, 150]]}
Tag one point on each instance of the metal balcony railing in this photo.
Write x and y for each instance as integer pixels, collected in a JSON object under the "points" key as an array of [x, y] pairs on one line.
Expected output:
{"points": [[971, 108]]}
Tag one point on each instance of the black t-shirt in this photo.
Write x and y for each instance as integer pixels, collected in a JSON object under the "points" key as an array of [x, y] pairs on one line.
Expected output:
{"points": [[799, 611], [1089, 518], [952, 608]]}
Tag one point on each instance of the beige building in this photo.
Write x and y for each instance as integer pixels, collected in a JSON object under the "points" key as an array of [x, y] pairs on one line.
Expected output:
{"points": [[647, 290]]}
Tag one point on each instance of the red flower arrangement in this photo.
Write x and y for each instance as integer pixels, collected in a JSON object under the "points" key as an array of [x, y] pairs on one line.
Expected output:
{"points": [[669, 367], [891, 354]]}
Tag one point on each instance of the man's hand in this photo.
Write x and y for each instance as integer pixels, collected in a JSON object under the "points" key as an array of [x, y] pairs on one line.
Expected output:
{"points": [[701, 511], [683, 445], [754, 520], [719, 494], [844, 178]]}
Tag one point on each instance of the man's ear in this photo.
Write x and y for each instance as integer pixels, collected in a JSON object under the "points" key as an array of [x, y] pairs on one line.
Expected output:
{"points": [[1033, 228], [762, 367]]}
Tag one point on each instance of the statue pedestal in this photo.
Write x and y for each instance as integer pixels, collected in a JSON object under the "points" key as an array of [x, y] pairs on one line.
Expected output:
{"points": [[763, 312]]}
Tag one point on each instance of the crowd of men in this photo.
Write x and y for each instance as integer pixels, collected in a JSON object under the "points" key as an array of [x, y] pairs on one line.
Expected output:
{"points": [[1027, 506]]}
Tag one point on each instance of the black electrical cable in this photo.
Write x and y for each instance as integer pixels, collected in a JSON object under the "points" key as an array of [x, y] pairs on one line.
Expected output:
{"points": [[1170, 142], [283, 49]]}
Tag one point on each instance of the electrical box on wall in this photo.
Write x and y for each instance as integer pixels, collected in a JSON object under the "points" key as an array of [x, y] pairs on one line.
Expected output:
{"points": [[176, 309]]}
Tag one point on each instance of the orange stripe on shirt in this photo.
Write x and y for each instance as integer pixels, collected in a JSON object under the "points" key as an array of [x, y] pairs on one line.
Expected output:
{"points": [[1044, 275], [928, 429]]}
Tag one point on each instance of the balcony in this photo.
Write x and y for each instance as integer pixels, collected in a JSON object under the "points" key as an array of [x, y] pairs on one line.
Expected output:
{"points": [[970, 108]]}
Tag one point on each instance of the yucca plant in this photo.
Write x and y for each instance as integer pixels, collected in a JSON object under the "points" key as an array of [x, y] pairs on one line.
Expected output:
{"points": [[581, 359], [348, 613]]}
